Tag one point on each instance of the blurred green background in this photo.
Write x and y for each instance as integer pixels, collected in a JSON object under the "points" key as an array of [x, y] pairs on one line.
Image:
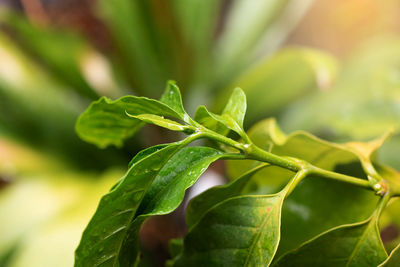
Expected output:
{"points": [[331, 67]]}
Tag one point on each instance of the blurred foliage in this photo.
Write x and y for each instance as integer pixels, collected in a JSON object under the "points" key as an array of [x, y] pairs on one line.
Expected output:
{"points": [[363, 103], [50, 74]]}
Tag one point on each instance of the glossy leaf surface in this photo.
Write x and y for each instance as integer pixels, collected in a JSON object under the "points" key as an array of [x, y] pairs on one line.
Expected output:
{"points": [[240, 231], [211, 197], [302, 214], [349, 245], [154, 185]]}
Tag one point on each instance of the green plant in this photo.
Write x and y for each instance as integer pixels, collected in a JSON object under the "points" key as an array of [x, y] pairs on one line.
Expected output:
{"points": [[296, 200], [199, 43]]}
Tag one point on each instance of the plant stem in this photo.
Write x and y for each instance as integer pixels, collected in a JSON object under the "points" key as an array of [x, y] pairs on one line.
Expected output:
{"points": [[296, 165], [254, 152], [340, 177]]}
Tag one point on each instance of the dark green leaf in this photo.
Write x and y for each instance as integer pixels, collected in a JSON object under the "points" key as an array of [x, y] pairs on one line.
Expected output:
{"points": [[105, 122], [175, 247], [351, 245], [311, 201], [146, 152], [240, 231], [202, 203], [154, 185], [393, 259]]}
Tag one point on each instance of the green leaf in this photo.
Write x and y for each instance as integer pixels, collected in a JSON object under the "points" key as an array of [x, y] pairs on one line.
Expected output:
{"points": [[175, 247], [199, 205], [154, 185], [240, 231], [208, 120], [232, 116], [105, 122], [351, 245], [393, 259], [301, 213], [236, 106], [173, 99], [146, 152]]}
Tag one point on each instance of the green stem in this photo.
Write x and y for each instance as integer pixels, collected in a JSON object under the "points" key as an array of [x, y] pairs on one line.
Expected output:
{"points": [[340, 177], [253, 152], [300, 175]]}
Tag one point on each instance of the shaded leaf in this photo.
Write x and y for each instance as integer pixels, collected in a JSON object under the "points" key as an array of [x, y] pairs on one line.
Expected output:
{"points": [[240, 231], [199, 205], [393, 259], [207, 119], [232, 116], [348, 245], [301, 214]]}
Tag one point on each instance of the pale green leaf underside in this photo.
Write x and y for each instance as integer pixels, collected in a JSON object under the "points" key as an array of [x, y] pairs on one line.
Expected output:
{"points": [[218, 123], [106, 123], [173, 99], [161, 121], [236, 106]]}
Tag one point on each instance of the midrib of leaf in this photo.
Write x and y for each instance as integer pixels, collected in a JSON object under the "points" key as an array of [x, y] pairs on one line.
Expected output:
{"points": [[360, 241]]}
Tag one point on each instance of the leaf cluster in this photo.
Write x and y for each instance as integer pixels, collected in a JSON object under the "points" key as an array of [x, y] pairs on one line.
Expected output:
{"points": [[295, 200]]}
